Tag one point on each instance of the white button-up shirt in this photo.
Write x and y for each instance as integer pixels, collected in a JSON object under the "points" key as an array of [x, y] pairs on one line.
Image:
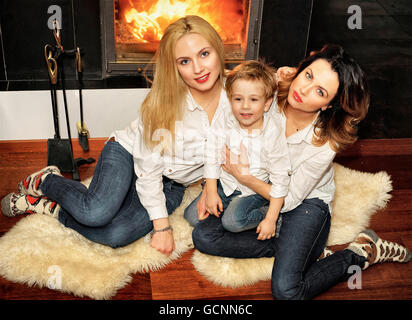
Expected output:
{"points": [[184, 166], [312, 174], [266, 148]]}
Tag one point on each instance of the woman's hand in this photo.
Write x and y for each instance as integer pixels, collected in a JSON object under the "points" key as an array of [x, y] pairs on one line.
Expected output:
{"points": [[236, 165], [163, 242], [201, 207], [213, 204], [266, 229], [284, 73]]}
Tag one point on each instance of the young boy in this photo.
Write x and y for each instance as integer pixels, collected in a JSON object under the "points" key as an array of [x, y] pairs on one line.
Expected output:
{"points": [[247, 124]]}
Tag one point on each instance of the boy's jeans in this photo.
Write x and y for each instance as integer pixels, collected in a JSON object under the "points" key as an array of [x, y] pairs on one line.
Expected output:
{"points": [[239, 213]]}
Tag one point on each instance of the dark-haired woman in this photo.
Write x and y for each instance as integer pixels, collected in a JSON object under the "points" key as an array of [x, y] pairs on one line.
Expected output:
{"points": [[320, 106]]}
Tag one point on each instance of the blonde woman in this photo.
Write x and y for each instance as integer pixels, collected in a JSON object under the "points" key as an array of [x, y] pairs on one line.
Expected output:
{"points": [[144, 169]]}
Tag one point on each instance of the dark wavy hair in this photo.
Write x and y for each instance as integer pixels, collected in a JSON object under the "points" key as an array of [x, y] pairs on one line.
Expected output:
{"points": [[337, 125]]}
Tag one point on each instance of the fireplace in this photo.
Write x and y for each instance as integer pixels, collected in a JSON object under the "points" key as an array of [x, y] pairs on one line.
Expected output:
{"points": [[132, 29]]}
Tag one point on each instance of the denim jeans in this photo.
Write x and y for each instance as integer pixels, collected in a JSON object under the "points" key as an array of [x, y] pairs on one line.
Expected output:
{"points": [[109, 212], [239, 213], [296, 273]]}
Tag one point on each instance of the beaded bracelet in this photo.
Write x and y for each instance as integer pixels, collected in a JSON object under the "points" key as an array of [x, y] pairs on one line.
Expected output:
{"points": [[162, 230]]}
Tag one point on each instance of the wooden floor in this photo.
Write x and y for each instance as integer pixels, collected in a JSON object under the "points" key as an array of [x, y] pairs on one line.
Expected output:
{"points": [[392, 281]]}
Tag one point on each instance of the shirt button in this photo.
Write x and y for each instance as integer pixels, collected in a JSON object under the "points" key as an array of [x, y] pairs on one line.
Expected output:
{"points": [[290, 173], [170, 170]]}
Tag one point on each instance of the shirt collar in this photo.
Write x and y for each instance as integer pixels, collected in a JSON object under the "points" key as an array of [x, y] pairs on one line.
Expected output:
{"points": [[305, 134], [192, 105]]}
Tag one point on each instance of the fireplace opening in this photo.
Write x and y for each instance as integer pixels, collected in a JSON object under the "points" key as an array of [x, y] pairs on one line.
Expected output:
{"points": [[132, 29]]}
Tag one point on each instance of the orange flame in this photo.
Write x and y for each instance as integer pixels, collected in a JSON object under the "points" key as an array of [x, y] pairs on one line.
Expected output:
{"points": [[147, 20]]}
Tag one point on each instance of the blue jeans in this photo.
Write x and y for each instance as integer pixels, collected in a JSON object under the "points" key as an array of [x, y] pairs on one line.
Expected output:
{"points": [[109, 212], [239, 213], [296, 273]]}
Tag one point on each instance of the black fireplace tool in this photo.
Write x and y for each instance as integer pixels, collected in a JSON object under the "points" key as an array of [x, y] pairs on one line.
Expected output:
{"points": [[81, 126], [82, 130], [60, 151]]}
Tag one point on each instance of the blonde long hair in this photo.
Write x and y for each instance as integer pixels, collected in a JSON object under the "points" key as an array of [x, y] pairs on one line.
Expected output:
{"points": [[164, 104], [337, 125]]}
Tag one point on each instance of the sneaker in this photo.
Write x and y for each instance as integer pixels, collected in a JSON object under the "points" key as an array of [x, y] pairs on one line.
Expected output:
{"points": [[326, 253], [376, 250], [16, 204], [30, 185]]}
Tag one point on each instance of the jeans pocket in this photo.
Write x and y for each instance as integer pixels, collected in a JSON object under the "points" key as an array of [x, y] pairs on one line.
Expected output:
{"points": [[314, 206]]}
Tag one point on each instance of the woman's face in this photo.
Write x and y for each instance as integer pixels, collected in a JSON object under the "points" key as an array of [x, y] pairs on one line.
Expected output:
{"points": [[314, 87], [197, 62]]}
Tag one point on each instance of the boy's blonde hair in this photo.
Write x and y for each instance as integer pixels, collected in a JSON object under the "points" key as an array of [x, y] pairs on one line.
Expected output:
{"points": [[163, 105], [253, 70]]}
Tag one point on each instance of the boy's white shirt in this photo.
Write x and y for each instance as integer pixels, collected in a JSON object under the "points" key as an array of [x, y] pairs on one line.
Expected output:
{"points": [[267, 151], [185, 166]]}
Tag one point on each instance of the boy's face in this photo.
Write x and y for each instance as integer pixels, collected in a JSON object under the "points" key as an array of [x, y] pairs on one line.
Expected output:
{"points": [[249, 103]]}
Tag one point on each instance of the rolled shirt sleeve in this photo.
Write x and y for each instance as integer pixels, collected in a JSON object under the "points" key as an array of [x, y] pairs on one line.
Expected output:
{"points": [[149, 166], [278, 162]]}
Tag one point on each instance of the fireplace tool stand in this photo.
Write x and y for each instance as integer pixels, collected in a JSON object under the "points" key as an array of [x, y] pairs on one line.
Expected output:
{"points": [[60, 151]]}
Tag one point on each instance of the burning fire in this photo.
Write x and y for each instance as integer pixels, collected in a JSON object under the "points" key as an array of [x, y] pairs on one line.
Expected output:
{"points": [[147, 19]]}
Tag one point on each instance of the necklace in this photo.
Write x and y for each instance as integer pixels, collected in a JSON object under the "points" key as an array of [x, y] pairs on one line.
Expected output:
{"points": [[293, 125]]}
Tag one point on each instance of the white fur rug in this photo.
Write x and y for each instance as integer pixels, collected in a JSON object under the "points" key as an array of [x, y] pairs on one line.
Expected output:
{"points": [[39, 251]]}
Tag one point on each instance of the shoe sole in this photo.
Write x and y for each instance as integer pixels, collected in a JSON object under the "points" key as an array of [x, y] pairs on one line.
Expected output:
{"points": [[5, 206]]}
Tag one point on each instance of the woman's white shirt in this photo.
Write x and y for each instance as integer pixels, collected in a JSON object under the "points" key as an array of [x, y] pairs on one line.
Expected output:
{"points": [[184, 166], [312, 174]]}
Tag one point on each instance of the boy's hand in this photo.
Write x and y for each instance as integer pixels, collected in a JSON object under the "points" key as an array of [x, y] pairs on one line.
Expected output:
{"points": [[213, 204], [236, 165], [266, 228]]}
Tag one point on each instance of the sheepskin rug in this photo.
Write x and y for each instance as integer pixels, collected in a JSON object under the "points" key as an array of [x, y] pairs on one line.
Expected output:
{"points": [[40, 251]]}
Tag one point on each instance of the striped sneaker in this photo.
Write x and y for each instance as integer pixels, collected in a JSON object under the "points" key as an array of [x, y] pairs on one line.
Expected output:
{"points": [[30, 185], [326, 253], [376, 250], [16, 204]]}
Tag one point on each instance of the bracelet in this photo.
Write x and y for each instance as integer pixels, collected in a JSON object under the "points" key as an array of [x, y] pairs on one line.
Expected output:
{"points": [[203, 183], [162, 230]]}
